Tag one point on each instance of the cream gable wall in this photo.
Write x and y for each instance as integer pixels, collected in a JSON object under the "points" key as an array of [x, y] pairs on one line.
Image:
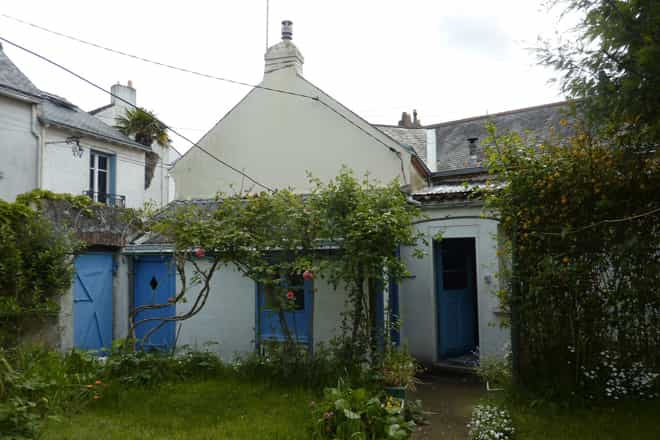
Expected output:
{"points": [[276, 138]]}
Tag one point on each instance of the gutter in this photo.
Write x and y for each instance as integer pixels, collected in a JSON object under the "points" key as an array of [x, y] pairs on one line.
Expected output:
{"points": [[36, 132], [96, 135]]}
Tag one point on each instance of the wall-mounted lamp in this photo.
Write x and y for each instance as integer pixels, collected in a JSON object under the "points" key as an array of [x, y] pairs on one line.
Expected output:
{"points": [[76, 148]]}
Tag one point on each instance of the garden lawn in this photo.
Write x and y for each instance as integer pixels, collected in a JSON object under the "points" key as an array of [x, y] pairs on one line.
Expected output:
{"points": [[225, 408], [626, 421]]}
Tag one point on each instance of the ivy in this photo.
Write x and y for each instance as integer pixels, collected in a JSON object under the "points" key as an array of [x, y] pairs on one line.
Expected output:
{"points": [[35, 266]]}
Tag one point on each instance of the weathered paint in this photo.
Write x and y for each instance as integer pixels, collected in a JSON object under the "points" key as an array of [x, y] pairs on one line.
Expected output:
{"points": [[417, 293], [154, 284], [18, 148], [65, 173], [92, 310], [294, 135]]}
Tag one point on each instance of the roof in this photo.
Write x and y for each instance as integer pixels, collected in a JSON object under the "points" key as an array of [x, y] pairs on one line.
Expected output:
{"points": [[414, 138], [100, 109], [12, 78], [58, 111], [453, 149]]}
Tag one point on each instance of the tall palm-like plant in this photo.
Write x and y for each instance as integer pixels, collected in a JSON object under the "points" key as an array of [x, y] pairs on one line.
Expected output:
{"points": [[145, 127]]}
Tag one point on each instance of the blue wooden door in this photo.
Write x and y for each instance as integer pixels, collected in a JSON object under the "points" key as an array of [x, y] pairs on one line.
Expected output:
{"points": [[298, 316], [155, 283], [456, 297], [92, 301]]}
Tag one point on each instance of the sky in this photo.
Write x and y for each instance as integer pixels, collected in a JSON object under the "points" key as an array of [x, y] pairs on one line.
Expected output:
{"points": [[447, 59]]}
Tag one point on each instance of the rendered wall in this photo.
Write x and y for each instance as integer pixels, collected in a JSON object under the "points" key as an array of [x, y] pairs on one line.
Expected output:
{"points": [[229, 316], [418, 293], [277, 138], [66, 173], [18, 149]]}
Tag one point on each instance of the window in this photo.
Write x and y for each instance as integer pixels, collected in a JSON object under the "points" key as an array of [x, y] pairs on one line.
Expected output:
{"points": [[99, 176], [274, 298]]}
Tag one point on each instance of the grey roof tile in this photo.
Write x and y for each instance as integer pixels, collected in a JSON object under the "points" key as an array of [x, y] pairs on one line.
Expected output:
{"points": [[12, 78], [452, 137], [57, 110], [414, 138]]}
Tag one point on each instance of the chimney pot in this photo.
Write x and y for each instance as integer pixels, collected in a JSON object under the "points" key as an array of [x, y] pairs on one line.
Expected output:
{"points": [[130, 83], [287, 30]]}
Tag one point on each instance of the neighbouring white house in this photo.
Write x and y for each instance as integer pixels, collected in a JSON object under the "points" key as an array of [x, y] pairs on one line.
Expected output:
{"points": [[46, 142], [287, 126], [159, 185]]}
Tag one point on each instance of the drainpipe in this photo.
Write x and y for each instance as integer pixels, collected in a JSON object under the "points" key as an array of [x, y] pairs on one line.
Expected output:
{"points": [[35, 130]]}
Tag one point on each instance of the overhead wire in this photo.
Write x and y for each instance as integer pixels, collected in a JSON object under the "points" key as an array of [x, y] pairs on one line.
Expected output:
{"points": [[206, 75], [159, 63], [194, 144]]}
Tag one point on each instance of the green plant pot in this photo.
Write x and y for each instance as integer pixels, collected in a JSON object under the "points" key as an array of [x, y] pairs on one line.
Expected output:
{"points": [[398, 392]]}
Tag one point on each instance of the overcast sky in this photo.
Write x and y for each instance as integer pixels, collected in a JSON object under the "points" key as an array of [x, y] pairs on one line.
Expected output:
{"points": [[447, 59]]}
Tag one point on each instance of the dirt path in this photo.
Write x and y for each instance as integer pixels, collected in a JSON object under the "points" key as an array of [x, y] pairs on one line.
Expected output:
{"points": [[448, 403]]}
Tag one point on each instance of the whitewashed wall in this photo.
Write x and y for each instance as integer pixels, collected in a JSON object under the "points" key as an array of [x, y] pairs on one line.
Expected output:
{"points": [[64, 173], [229, 316], [418, 295], [277, 137], [18, 148]]}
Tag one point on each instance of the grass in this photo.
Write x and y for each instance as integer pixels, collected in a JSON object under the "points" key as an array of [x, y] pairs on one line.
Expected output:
{"points": [[225, 408], [637, 420]]}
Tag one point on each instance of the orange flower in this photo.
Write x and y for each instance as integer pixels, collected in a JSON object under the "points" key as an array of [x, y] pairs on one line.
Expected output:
{"points": [[98, 382]]}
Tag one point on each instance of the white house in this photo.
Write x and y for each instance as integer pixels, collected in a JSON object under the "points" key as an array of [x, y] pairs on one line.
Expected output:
{"points": [[282, 129], [159, 184], [46, 142], [287, 126]]}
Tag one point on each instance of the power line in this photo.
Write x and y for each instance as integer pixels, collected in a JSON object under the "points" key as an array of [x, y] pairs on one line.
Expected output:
{"points": [[205, 75], [158, 63], [194, 144]]}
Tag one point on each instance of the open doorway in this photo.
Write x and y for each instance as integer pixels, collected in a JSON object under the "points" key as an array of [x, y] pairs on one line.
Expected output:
{"points": [[456, 301]]}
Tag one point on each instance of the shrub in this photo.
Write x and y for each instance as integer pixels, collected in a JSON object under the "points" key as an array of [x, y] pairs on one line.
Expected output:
{"points": [[613, 379], [23, 402], [298, 365], [489, 422], [496, 371], [35, 268], [347, 413], [399, 368]]}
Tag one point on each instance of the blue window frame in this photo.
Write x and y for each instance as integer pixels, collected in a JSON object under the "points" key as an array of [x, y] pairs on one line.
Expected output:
{"points": [[297, 312]]}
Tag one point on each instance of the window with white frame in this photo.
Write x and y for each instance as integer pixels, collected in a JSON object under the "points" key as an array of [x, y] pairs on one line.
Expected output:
{"points": [[99, 176]]}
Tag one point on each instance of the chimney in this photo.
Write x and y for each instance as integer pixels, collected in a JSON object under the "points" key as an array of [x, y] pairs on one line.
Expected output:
{"points": [[284, 54], [405, 121], [416, 122], [125, 92]]}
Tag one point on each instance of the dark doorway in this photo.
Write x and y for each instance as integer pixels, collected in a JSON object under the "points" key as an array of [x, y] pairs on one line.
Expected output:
{"points": [[456, 293]]}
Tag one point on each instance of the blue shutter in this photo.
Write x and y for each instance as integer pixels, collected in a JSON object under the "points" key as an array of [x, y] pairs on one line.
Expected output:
{"points": [[112, 178]]}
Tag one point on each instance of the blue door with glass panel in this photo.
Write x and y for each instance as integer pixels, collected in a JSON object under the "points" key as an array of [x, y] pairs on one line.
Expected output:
{"points": [[297, 311], [456, 297], [155, 283], [92, 301]]}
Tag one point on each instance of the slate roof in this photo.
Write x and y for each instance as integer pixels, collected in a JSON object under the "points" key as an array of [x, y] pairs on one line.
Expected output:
{"points": [[56, 110], [453, 150], [60, 112], [414, 138], [12, 78]]}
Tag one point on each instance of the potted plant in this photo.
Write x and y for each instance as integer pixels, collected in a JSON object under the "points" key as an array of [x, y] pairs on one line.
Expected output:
{"points": [[399, 370]]}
